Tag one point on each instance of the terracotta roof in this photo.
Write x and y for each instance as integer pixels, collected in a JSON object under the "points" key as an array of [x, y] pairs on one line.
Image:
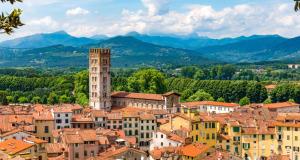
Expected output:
{"points": [[54, 147], [148, 96], [194, 150], [45, 116], [157, 153], [13, 146], [271, 86], [62, 109], [176, 138], [81, 118], [283, 124], [211, 103], [116, 152], [73, 138], [147, 117], [171, 93], [280, 105], [98, 113], [36, 140]]}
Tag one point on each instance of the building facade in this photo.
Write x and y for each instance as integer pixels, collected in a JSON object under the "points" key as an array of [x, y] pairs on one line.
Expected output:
{"points": [[99, 79]]}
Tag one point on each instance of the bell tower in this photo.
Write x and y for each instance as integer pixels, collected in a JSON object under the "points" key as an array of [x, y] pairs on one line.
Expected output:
{"points": [[99, 79]]}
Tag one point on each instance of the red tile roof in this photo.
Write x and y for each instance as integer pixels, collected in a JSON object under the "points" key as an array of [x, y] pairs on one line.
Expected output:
{"points": [[211, 103], [194, 150], [280, 105], [148, 96], [13, 146]]}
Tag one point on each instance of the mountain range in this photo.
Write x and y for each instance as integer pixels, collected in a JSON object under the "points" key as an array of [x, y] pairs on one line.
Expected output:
{"points": [[59, 49]]}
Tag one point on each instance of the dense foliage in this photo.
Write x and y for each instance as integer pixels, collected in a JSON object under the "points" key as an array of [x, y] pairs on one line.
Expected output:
{"points": [[214, 83]]}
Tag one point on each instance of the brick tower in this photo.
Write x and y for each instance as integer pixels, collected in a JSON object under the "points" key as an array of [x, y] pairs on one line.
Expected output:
{"points": [[99, 79]]}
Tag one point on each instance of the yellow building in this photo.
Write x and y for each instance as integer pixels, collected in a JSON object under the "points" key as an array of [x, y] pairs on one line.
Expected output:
{"points": [[248, 142], [44, 124], [204, 130], [288, 135], [177, 122], [27, 149]]}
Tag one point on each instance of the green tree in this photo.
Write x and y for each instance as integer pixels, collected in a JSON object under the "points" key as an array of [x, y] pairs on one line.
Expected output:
{"points": [[36, 100], [82, 99], [244, 101], [3, 100], [201, 95], [64, 99], [186, 94], [268, 101], [9, 22], [10, 99], [147, 81], [199, 75], [44, 99], [291, 100], [53, 98], [220, 99], [23, 100]]}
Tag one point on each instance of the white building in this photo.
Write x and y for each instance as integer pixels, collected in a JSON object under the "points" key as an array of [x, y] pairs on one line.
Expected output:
{"points": [[210, 106], [162, 139], [62, 117]]}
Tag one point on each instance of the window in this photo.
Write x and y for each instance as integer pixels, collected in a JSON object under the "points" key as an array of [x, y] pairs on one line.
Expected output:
{"points": [[76, 155], [85, 153], [161, 136], [207, 136], [147, 135], [287, 137], [196, 137], [142, 127], [213, 125], [263, 137], [76, 145], [46, 129], [161, 144], [67, 115], [246, 145], [236, 129], [136, 132], [288, 128], [213, 136], [227, 147], [206, 126], [58, 121], [142, 135], [296, 138], [58, 115], [66, 121], [197, 127]]}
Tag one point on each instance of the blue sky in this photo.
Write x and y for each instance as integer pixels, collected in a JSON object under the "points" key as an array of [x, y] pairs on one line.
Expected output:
{"points": [[212, 18]]}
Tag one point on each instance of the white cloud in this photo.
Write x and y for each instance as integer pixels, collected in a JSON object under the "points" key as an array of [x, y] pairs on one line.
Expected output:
{"points": [[77, 11], [156, 6], [204, 20], [45, 21]]}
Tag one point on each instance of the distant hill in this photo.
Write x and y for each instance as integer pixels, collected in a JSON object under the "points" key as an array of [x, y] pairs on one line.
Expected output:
{"points": [[62, 50], [49, 39], [262, 48], [126, 51]]}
